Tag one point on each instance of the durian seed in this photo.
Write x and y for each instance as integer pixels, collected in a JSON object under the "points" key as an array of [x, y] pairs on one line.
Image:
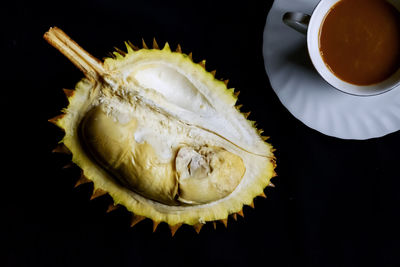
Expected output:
{"points": [[82, 180], [241, 213], [226, 82], [234, 216], [155, 45], [179, 49], [98, 193], [144, 44], [136, 219], [213, 72], [197, 227], [111, 208], [55, 119], [61, 148], [271, 184], [174, 228], [68, 92], [155, 225], [215, 225], [225, 222], [203, 63], [120, 51], [263, 195]]}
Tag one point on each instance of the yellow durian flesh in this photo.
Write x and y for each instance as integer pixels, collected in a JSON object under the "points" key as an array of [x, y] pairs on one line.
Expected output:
{"points": [[162, 136], [199, 175]]}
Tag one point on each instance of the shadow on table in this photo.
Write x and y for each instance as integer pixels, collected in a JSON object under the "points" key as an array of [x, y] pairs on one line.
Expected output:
{"points": [[300, 57]]}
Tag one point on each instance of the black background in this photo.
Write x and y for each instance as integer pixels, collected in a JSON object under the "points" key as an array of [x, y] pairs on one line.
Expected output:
{"points": [[335, 202]]}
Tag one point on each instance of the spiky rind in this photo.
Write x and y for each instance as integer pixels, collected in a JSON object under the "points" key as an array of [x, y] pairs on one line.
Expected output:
{"points": [[138, 205], [174, 228]]}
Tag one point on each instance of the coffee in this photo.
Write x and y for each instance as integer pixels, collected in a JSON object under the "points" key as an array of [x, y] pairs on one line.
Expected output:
{"points": [[359, 41]]}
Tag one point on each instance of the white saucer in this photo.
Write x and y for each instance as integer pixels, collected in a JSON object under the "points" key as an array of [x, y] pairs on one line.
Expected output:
{"points": [[308, 97]]}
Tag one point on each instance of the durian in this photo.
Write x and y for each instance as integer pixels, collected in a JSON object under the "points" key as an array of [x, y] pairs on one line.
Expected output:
{"points": [[161, 135]]}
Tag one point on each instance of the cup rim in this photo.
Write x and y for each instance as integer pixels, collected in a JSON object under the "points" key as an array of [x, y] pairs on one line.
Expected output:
{"points": [[323, 69]]}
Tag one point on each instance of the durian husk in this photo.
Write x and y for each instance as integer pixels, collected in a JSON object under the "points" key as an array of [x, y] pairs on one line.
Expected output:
{"points": [[141, 208]]}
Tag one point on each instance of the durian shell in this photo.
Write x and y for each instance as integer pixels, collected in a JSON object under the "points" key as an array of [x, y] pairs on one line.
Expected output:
{"points": [[140, 207]]}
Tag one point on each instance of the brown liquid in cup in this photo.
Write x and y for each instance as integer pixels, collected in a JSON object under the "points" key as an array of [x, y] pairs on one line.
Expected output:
{"points": [[360, 41]]}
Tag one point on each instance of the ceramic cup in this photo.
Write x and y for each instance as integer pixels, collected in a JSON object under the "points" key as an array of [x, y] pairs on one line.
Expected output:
{"points": [[310, 25]]}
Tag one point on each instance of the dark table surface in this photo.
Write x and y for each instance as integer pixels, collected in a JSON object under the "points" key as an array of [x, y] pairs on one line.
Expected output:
{"points": [[335, 202]]}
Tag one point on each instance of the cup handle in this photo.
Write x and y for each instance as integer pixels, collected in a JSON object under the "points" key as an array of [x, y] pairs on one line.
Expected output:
{"points": [[296, 20]]}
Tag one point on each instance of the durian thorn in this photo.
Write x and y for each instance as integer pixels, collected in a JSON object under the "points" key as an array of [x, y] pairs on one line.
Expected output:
{"points": [[55, 119], [111, 55], [226, 82], [252, 204], [68, 92], [247, 114], [179, 49], [263, 195], [117, 55], [214, 72], [122, 53], [61, 148], [203, 64], [134, 47], [89, 65], [155, 45], [98, 193], [167, 47], [237, 93], [215, 225], [197, 227], [190, 56], [174, 228], [240, 213], [264, 138], [224, 222], [155, 225], [271, 185], [82, 180], [273, 165], [136, 219], [273, 149], [238, 107], [234, 216], [111, 208], [68, 165], [144, 44], [260, 131]]}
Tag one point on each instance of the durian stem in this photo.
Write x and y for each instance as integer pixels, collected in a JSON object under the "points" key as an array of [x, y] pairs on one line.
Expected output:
{"points": [[89, 65]]}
